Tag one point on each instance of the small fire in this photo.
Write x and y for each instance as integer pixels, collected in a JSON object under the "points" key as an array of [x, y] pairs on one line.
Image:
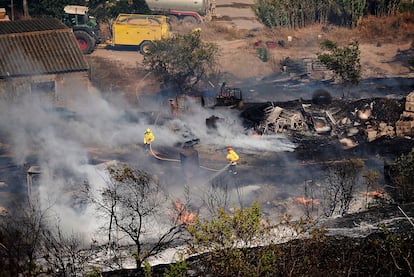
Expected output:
{"points": [[304, 201], [181, 215], [374, 193]]}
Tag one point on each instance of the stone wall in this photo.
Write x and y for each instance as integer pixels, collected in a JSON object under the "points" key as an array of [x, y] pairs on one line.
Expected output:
{"points": [[60, 89], [405, 125]]}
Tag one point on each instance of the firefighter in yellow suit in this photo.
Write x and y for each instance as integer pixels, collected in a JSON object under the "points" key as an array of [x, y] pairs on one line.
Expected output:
{"points": [[233, 158], [148, 138]]}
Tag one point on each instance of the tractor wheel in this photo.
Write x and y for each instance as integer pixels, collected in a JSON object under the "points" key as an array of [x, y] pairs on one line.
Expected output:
{"points": [[144, 47], [85, 41]]}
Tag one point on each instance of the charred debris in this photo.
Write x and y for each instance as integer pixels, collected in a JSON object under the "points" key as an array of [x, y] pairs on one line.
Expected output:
{"points": [[383, 125], [348, 123]]}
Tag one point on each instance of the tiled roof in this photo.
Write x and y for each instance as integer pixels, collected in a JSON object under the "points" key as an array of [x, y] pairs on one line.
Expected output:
{"points": [[38, 46], [32, 25]]}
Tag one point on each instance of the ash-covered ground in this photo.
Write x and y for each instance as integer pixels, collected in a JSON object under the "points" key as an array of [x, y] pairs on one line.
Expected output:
{"points": [[274, 169]]}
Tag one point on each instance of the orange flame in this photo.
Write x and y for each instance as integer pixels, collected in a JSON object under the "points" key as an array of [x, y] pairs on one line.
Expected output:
{"points": [[304, 201], [374, 193], [181, 215]]}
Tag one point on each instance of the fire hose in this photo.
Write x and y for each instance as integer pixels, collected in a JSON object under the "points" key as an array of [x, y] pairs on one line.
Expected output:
{"points": [[162, 159], [175, 160]]}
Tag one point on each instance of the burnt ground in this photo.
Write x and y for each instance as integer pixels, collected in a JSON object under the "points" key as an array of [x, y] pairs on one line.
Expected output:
{"points": [[312, 153], [335, 255], [385, 250], [311, 146]]}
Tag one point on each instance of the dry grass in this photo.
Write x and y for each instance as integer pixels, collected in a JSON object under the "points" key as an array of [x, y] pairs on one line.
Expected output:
{"points": [[212, 31], [386, 29], [110, 76], [371, 29], [219, 30]]}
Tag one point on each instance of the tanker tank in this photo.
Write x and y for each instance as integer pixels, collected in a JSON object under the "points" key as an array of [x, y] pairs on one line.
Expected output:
{"points": [[200, 7]]}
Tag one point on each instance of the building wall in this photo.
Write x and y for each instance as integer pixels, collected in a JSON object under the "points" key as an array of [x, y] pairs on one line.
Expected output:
{"points": [[60, 89]]}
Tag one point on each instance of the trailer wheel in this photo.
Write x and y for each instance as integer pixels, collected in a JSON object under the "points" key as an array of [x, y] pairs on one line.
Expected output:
{"points": [[85, 41], [144, 48], [190, 21]]}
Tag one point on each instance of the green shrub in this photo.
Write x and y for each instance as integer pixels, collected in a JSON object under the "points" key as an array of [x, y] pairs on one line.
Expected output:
{"points": [[263, 54], [178, 269], [95, 272]]}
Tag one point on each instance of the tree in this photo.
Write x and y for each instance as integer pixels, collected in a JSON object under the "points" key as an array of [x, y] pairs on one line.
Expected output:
{"points": [[294, 13], [29, 246], [133, 204], [182, 61], [66, 252], [229, 239], [340, 183], [105, 10], [50, 8], [370, 179], [269, 13], [21, 239], [386, 7], [344, 62], [401, 177], [349, 12]]}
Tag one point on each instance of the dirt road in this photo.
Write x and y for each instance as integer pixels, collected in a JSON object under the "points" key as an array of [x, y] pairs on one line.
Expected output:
{"points": [[239, 15]]}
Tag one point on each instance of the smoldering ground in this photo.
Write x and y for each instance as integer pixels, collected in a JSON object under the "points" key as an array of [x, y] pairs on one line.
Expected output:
{"points": [[67, 144]]}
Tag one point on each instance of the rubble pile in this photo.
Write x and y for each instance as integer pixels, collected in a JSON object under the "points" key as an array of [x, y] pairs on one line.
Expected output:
{"points": [[279, 120], [405, 125], [350, 122], [369, 119]]}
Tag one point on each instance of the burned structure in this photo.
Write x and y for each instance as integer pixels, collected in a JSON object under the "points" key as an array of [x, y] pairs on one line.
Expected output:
{"points": [[405, 125], [41, 57], [351, 122], [279, 120], [229, 96]]}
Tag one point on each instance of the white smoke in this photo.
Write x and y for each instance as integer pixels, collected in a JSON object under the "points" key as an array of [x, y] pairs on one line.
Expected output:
{"points": [[230, 131], [66, 144]]}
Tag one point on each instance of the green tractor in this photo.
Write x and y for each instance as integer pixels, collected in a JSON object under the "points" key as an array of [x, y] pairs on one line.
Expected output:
{"points": [[85, 27]]}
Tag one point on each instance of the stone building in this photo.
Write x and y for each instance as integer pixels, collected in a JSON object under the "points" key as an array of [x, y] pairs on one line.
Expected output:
{"points": [[41, 57]]}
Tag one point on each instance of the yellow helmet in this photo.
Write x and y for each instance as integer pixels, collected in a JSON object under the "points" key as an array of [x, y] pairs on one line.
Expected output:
{"points": [[148, 130]]}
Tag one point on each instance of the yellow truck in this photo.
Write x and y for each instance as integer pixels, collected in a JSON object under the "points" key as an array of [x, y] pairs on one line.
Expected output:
{"points": [[139, 30]]}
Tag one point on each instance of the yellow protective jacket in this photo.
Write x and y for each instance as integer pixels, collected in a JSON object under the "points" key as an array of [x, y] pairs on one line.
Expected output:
{"points": [[148, 137], [232, 157]]}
